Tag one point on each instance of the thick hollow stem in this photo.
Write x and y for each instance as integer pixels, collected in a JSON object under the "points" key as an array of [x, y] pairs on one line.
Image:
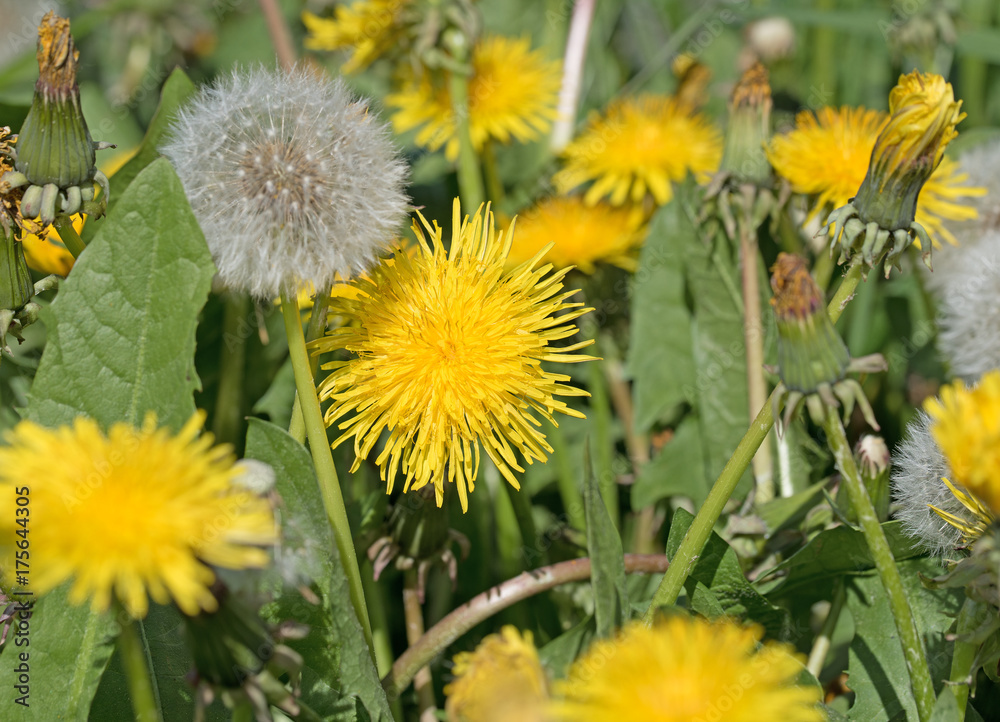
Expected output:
{"points": [[701, 528], [413, 611], [281, 37], [228, 422], [326, 472], [495, 600], [140, 685], [753, 337], [569, 93], [315, 329], [821, 646], [885, 565], [470, 177], [70, 238]]}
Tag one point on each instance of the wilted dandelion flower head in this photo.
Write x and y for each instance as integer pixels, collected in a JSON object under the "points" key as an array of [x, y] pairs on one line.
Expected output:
{"points": [[685, 669], [165, 507], [930, 511], [826, 155], [291, 179], [639, 146], [581, 235], [513, 92], [501, 680], [447, 351]]}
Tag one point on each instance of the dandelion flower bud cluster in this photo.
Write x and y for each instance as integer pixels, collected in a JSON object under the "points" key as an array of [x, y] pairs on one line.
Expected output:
{"points": [[292, 180]]}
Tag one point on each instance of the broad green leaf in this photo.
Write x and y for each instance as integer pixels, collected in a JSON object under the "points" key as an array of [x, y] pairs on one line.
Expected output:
{"points": [[877, 668], [120, 344], [720, 386], [121, 331], [789, 510], [705, 603], [607, 560], [559, 654], [679, 469], [833, 553], [946, 707], [718, 568], [337, 661], [660, 357]]}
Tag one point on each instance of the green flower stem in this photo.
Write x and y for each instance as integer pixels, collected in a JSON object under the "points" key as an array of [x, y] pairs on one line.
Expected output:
{"points": [[496, 599], [70, 238], [970, 617], [885, 564], [315, 329], [600, 408], [326, 472], [701, 528], [413, 612], [821, 646], [525, 521], [228, 422], [470, 178], [753, 338], [140, 685], [569, 492], [494, 185]]}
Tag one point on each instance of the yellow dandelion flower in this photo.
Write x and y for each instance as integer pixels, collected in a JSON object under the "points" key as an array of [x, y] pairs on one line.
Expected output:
{"points": [[966, 427], [827, 155], [165, 506], [971, 529], [686, 669], [581, 235], [513, 93], [640, 145], [501, 680], [368, 28], [447, 356]]}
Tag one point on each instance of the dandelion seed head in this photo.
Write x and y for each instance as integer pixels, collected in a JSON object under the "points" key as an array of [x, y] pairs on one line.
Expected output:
{"points": [[291, 179]]}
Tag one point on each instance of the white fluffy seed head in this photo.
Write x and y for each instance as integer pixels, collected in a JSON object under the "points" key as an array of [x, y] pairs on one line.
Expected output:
{"points": [[292, 180], [917, 469]]}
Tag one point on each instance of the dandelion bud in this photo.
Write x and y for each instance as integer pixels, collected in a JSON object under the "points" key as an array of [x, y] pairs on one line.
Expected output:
{"points": [[292, 180], [881, 217], [872, 456], [55, 156], [813, 361], [749, 128], [15, 279]]}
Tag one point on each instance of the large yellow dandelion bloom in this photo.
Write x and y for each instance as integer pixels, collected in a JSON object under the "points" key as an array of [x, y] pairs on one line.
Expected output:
{"points": [[130, 513], [826, 155], [513, 93], [447, 356], [582, 235], [640, 145], [686, 669], [966, 427], [367, 27], [501, 680]]}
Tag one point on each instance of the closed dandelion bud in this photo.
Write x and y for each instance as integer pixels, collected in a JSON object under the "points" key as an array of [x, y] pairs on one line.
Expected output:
{"points": [[15, 279], [872, 457], [749, 129], [813, 360], [55, 159], [880, 219]]}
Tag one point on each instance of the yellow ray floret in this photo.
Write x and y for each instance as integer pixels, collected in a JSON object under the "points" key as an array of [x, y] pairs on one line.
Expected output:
{"points": [[640, 145], [132, 513], [513, 92], [966, 427], [687, 669], [501, 680], [580, 235], [368, 28], [446, 356], [826, 156]]}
